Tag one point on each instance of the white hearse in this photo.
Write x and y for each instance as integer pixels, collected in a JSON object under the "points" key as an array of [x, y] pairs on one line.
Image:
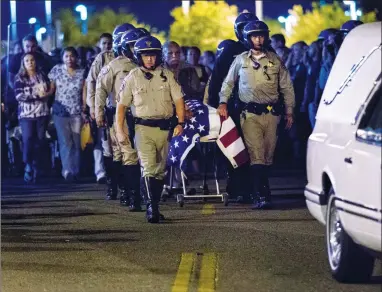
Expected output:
{"points": [[344, 157]]}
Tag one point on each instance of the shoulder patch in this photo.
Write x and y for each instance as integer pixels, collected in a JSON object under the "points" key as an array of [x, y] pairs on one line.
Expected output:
{"points": [[104, 70], [123, 85]]}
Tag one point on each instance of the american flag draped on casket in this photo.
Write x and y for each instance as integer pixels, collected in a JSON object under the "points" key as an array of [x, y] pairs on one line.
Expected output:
{"points": [[206, 125]]}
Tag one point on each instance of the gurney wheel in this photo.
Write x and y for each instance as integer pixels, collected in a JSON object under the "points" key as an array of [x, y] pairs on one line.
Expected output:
{"points": [[180, 200], [164, 195], [225, 199]]}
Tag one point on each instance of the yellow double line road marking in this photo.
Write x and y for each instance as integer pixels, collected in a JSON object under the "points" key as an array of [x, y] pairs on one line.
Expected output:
{"points": [[183, 276], [188, 265], [208, 273]]}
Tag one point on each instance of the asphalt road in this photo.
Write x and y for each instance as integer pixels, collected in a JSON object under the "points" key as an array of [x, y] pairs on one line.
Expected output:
{"points": [[60, 237]]}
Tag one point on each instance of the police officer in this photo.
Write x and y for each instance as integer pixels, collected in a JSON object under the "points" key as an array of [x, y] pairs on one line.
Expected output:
{"points": [[326, 33], [227, 50], [261, 78], [350, 25], [222, 45], [125, 157], [151, 91], [100, 61], [237, 185]]}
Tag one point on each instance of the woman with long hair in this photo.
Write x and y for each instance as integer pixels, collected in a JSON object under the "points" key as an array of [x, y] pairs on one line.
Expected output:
{"points": [[32, 90], [67, 81]]}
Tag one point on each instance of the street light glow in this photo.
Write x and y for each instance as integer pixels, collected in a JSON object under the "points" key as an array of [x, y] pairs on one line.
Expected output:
{"points": [[13, 19], [259, 9], [48, 11], [289, 21], [83, 11], [186, 7], [39, 33], [353, 9], [32, 20], [13, 10]]}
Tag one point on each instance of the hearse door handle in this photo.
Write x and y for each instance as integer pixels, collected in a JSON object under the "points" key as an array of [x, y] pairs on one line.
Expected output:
{"points": [[348, 160]]}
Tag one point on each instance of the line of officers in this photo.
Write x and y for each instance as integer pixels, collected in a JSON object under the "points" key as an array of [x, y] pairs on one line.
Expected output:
{"points": [[138, 106]]}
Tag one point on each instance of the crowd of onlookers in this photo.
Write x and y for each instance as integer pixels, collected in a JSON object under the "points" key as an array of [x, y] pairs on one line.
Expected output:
{"points": [[309, 68], [44, 101], [44, 106]]}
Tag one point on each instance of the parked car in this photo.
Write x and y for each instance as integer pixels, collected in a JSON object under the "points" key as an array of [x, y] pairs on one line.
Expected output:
{"points": [[344, 157]]}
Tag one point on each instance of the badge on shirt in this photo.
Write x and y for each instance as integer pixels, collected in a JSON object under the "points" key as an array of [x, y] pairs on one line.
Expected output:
{"points": [[121, 89]]}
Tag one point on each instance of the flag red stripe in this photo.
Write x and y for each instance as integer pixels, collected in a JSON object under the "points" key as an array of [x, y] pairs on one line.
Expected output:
{"points": [[229, 137], [242, 157]]}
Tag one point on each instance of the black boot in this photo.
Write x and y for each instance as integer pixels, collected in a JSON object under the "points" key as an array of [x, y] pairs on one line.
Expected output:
{"points": [[256, 174], [152, 210], [265, 190], [122, 182], [124, 185], [111, 178], [158, 194], [244, 184], [133, 197]]}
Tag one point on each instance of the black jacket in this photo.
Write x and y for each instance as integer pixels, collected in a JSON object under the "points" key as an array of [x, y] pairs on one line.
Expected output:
{"points": [[220, 71]]}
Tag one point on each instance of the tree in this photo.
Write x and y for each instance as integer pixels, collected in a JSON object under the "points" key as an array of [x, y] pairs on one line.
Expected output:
{"points": [[310, 23], [372, 6], [207, 24], [274, 26], [98, 23]]}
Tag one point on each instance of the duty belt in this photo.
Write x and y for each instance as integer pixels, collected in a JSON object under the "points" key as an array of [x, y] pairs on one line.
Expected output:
{"points": [[163, 124], [260, 108]]}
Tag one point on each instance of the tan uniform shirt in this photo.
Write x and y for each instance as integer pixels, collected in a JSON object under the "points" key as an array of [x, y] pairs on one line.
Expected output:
{"points": [[254, 85], [100, 61], [109, 82], [150, 99]]}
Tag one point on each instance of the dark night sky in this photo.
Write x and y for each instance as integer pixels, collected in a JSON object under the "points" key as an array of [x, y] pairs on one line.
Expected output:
{"points": [[153, 12]]}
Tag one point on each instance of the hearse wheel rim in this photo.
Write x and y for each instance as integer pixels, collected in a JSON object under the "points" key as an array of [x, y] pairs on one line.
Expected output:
{"points": [[335, 234]]}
